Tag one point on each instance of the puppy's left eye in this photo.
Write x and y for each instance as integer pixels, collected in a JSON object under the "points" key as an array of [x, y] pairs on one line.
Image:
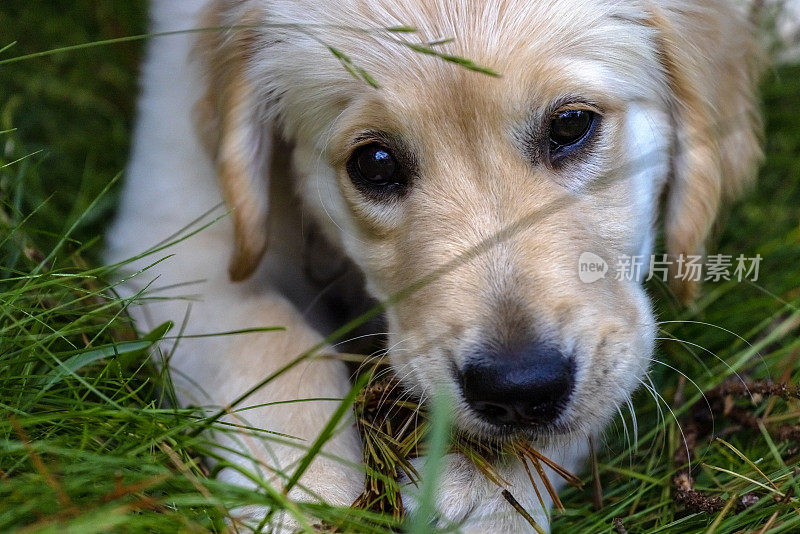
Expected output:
{"points": [[376, 170], [376, 164], [569, 130]]}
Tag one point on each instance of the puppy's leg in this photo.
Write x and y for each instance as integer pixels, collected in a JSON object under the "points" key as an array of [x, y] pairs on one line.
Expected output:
{"points": [[468, 499], [229, 366], [250, 358], [215, 370]]}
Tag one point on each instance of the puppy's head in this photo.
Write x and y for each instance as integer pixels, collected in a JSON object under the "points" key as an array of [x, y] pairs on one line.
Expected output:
{"points": [[467, 199]]}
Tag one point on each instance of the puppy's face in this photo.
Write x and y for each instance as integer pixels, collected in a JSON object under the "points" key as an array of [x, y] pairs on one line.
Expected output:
{"points": [[467, 200]]}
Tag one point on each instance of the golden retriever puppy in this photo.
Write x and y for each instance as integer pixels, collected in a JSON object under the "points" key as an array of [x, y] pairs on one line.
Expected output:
{"points": [[465, 201]]}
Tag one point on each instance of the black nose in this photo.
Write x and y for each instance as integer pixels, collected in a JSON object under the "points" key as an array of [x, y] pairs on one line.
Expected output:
{"points": [[525, 387]]}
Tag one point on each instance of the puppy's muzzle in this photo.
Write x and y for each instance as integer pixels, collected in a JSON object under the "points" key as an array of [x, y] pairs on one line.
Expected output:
{"points": [[520, 388]]}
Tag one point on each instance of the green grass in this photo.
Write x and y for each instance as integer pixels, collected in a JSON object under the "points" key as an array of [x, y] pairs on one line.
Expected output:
{"points": [[89, 443]]}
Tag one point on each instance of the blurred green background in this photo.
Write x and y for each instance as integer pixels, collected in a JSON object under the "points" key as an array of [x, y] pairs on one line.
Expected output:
{"points": [[75, 107]]}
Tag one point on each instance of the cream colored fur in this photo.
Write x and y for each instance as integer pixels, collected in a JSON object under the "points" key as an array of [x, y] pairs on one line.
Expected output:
{"points": [[263, 116]]}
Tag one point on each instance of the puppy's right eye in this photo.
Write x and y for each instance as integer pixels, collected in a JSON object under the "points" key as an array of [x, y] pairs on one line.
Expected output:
{"points": [[375, 166], [570, 131]]}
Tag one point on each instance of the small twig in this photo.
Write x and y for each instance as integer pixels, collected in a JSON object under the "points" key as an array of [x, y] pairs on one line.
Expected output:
{"points": [[786, 376], [692, 499], [521, 511], [571, 479], [547, 484], [750, 388], [696, 502], [619, 527], [533, 482]]}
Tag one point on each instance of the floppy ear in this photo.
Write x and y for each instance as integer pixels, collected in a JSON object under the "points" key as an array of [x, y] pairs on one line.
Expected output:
{"points": [[230, 125], [710, 59]]}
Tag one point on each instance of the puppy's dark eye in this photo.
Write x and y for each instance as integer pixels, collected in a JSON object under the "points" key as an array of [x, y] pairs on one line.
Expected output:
{"points": [[374, 166], [569, 129]]}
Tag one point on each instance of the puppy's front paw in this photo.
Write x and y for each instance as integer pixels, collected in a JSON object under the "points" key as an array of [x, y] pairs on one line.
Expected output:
{"points": [[468, 500], [326, 480]]}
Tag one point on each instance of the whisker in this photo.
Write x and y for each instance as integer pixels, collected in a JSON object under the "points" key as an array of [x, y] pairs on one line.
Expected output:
{"points": [[674, 417], [699, 389], [380, 354], [635, 422], [624, 428], [362, 336], [723, 329], [734, 334], [726, 364], [660, 417], [634, 445], [389, 391], [687, 347]]}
